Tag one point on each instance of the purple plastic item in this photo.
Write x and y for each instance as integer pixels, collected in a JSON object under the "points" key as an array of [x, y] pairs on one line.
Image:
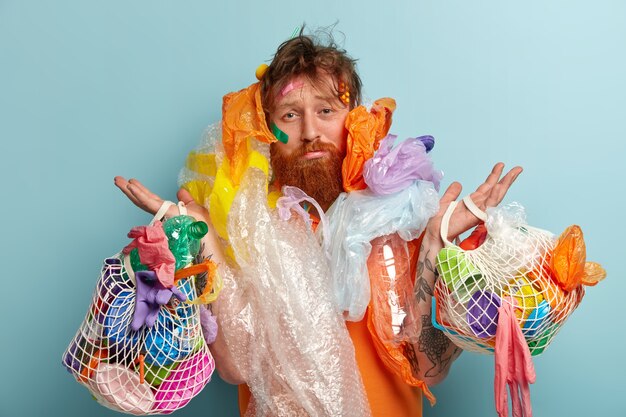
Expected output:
{"points": [[394, 168], [184, 383], [150, 297], [209, 325], [482, 313]]}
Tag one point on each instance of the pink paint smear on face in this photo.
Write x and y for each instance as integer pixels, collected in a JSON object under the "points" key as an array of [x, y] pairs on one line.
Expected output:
{"points": [[291, 86]]}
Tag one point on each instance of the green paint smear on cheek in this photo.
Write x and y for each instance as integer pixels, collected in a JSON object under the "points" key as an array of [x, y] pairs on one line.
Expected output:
{"points": [[280, 135]]}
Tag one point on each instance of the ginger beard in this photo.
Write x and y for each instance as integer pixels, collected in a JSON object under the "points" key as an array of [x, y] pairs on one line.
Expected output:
{"points": [[319, 178]]}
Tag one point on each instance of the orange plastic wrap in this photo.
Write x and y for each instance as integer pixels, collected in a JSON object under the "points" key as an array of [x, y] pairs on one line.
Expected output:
{"points": [[380, 317], [365, 131], [242, 118], [594, 273], [568, 258]]}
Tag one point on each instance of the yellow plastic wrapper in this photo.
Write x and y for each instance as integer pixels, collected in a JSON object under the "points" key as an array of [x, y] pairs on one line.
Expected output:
{"points": [[225, 189]]}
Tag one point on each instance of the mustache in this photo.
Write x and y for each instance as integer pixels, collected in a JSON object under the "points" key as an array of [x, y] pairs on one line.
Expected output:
{"points": [[314, 147]]}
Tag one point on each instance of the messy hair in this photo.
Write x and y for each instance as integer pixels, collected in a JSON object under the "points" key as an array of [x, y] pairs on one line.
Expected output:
{"points": [[308, 56]]}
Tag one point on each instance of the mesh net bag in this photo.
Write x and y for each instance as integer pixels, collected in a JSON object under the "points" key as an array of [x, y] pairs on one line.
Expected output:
{"points": [[159, 367], [516, 264]]}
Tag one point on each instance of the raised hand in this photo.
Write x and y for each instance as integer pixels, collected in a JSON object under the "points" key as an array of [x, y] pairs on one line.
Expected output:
{"points": [[146, 200], [488, 194]]}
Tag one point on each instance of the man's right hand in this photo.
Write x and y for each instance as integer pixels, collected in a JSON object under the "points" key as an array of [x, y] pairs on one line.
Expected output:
{"points": [[146, 200]]}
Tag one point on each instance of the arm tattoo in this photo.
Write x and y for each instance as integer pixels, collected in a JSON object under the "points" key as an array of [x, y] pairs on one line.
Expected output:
{"points": [[434, 344], [423, 291]]}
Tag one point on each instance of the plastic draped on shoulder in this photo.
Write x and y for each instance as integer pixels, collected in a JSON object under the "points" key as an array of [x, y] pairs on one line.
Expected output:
{"points": [[277, 310], [207, 174], [243, 118], [297, 358], [359, 217], [356, 218]]}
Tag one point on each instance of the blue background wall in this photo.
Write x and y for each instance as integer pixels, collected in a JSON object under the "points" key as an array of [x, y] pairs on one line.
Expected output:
{"points": [[94, 89]]}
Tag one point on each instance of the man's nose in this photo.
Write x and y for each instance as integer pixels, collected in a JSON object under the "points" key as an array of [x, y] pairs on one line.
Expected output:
{"points": [[310, 130]]}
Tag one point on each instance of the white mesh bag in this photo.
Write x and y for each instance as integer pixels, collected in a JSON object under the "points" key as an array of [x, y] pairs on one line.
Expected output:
{"points": [[156, 369], [513, 265]]}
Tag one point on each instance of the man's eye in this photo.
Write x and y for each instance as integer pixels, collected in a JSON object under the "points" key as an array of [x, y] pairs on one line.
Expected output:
{"points": [[327, 111], [288, 116]]}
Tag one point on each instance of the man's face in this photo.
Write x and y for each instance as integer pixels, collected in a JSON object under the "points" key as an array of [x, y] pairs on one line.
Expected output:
{"points": [[314, 121]]}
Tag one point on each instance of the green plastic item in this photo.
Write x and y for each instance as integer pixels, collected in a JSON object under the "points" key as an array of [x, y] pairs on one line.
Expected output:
{"points": [[183, 235], [461, 277], [538, 345], [155, 374]]}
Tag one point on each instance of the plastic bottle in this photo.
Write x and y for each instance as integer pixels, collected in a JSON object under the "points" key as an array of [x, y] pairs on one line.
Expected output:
{"points": [[183, 235]]}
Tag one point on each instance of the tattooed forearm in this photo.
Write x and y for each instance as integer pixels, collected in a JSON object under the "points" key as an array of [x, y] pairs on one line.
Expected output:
{"points": [[425, 277], [423, 291], [432, 353], [434, 344]]}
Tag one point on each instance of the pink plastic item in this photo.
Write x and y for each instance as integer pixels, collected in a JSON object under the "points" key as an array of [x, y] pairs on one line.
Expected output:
{"points": [[121, 388], [154, 252], [514, 365], [183, 383]]}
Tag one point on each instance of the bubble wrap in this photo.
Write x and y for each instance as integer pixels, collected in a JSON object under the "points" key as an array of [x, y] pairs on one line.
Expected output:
{"points": [[355, 219], [282, 330]]}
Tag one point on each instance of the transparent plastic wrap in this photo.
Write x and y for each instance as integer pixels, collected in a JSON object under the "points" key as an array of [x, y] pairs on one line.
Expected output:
{"points": [[398, 202], [284, 334], [198, 174]]}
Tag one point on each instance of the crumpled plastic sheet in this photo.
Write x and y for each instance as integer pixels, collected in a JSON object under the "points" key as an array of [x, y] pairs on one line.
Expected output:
{"points": [[287, 339], [393, 168], [290, 202], [511, 244], [202, 170], [355, 219]]}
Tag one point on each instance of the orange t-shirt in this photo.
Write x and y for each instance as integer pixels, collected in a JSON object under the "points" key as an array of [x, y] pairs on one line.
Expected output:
{"points": [[387, 394]]}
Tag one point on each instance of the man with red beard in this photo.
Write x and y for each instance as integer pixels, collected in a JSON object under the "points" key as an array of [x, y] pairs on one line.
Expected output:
{"points": [[307, 94]]}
